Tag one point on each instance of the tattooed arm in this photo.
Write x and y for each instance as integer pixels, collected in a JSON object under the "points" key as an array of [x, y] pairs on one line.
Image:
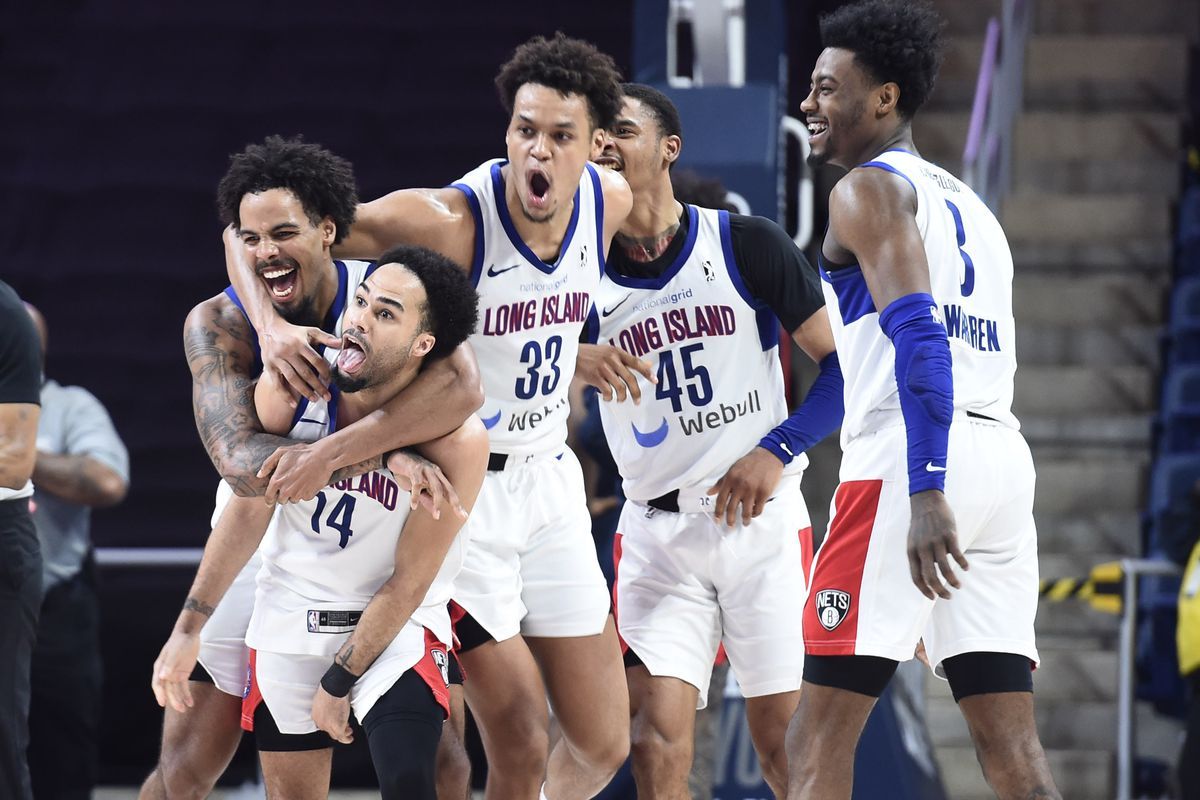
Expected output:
{"points": [[219, 345]]}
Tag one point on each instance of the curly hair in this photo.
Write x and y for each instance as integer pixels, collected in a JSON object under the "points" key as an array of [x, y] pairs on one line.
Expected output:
{"points": [[572, 66], [898, 41], [321, 181], [451, 307]]}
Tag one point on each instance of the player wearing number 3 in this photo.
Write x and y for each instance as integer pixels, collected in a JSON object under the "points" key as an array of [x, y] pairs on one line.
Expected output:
{"points": [[935, 475], [712, 545]]}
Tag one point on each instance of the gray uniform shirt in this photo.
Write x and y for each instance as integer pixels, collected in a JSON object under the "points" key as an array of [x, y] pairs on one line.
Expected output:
{"points": [[73, 422]]}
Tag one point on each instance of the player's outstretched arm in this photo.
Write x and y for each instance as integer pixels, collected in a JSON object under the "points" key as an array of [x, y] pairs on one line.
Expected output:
{"points": [[420, 551], [439, 219], [219, 348], [872, 215], [441, 398], [229, 547]]}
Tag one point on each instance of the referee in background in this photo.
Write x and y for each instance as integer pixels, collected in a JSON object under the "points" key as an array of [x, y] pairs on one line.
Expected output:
{"points": [[20, 558]]}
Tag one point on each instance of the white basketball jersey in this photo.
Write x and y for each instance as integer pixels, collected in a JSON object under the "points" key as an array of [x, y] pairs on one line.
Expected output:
{"points": [[324, 559], [970, 273], [530, 313], [715, 349]]}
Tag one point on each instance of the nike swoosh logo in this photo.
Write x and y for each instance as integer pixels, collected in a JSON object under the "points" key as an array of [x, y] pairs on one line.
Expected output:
{"points": [[930, 467], [607, 311], [493, 272]]}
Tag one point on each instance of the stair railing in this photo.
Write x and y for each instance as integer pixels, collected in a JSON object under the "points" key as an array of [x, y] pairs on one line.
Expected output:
{"points": [[987, 155]]}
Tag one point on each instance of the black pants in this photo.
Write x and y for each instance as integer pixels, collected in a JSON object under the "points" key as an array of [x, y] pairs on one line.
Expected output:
{"points": [[20, 598], [1189, 757], [64, 718]]}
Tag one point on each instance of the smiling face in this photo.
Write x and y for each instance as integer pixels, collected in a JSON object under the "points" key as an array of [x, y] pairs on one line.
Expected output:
{"points": [[636, 147], [550, 138], [382, 330], [846, 111], [291, 254]]}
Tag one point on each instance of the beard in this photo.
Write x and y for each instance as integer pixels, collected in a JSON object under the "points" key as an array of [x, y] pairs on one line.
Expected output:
{"points": [[304, 313], [350, 384]]}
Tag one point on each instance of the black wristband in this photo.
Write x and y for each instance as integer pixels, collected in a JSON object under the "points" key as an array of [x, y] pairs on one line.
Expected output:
{"points": [[337, 680]]}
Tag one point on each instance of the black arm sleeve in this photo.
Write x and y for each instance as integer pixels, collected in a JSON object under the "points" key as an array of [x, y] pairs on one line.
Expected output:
{"points": [[20, 351], [774, 269]]}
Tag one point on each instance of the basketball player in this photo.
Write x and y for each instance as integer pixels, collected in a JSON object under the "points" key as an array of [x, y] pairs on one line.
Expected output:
{"points": [[714, 542], [531, 231], [289, 201], [352, 576], [918, 277]]}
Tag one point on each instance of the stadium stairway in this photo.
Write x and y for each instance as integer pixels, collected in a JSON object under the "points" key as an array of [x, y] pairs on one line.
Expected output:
{"points": [[1094, 179]]}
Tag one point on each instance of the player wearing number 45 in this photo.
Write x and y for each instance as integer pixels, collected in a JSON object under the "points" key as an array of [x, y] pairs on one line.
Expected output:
{"points": [[714, 542], [350, 609], [936, 476]]}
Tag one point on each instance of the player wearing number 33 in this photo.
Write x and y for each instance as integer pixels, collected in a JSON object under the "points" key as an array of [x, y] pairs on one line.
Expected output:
{"points": [[932, 534], [714, 542]]}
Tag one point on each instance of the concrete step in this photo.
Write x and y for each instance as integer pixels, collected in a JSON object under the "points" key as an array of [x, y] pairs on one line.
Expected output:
{"points": [[1142, 256], [1118, 431], [1117, 532], [1045, 343], [1078, 73], [1079, 774], [1074, 486], [1097, 300], [1084, 390], [1097, 219], [1078, 16], [1062, 724], [1064, 136]]}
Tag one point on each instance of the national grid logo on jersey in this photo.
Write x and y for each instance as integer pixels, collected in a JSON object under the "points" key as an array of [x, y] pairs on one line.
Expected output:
{"points": [[833, 605]]}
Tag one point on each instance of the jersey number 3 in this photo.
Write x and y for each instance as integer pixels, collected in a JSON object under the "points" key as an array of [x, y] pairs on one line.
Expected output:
{"points": [[339, 519], [968, 284]]}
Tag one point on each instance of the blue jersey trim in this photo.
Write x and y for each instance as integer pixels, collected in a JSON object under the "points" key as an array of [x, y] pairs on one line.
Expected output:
{"points": [[598, 188], [511, 229], [334, 395], [670, 272], [850, 287], [232, 294], [591, 326], [889, 168], [768, 324], [477, 213], [301, 407]]}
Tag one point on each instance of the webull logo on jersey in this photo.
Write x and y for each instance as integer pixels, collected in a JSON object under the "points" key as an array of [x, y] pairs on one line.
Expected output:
{"points": [[526, 419], [524, 315], [833, 606], [701, 421]]}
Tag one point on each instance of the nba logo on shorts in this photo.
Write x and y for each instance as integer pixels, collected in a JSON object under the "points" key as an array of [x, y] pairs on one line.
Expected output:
{"points": [[314, 621], [832, 607], [439, 658]]}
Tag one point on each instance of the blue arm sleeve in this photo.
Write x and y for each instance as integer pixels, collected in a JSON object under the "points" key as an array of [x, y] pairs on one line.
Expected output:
{"points": [[925, 380], [818, 416]]}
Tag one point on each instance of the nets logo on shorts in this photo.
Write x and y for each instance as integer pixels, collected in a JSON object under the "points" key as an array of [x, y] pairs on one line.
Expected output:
{"points": [[832, 607], [441, 661]]}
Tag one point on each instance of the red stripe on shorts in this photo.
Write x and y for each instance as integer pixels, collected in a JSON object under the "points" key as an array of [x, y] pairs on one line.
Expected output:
{"points": [[806, 550], [431, 669], [831, 610], [616, 580], [252, 695]]}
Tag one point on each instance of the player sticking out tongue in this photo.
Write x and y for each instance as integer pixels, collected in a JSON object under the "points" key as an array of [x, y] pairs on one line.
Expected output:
{"points": [[352, 356]]}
